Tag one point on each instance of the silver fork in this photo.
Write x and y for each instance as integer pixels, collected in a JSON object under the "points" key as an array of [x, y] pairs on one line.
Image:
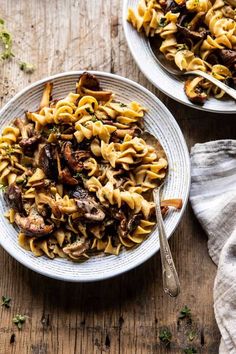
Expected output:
{"points": [[166, 65]]}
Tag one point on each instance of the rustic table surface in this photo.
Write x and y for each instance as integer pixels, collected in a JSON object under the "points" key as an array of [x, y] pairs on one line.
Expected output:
{"points": [[125, 314]]}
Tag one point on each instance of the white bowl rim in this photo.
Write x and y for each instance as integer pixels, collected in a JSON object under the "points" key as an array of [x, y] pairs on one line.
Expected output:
{"points": [[159, 87], [184, 145]]}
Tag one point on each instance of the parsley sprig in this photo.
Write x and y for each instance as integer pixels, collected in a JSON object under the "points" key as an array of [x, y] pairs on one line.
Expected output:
{"points": [[189, 350], [185, 313], [6, 301], [6, 41], [165, 336], [19, 320], [28, 68]]}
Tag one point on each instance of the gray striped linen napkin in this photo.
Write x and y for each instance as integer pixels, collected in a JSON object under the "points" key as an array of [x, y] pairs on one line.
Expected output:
{"points": [[213, 199]]}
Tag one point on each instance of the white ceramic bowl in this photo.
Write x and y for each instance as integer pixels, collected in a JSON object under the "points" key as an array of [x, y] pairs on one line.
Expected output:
{"points": [[159, 122], [172, 86]]}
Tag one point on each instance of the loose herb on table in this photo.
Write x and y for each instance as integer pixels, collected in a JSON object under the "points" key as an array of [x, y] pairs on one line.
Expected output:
{"points": [[165, 336], [189, 350], [19, 320], [28, 68], [6, 301], [191, 335], [6, 41], [185, 313]]}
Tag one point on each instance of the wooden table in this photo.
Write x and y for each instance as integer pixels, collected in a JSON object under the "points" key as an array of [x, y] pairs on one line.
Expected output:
{"points": [[125, 314]]}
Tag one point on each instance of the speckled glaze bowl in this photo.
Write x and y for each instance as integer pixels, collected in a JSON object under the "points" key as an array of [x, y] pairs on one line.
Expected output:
{"points": [[172, 86], [160, 122]]}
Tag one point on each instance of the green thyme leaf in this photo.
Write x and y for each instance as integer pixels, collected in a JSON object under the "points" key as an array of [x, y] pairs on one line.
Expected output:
{"points": [[19, 320], [185, 313], [6, 301], [165, 336], [28, 68], [89, 110], [94, 119], [122, 104], [163, 22], [191, 335], [190, 350], [5, 41], [2, 187], [182, 47]]}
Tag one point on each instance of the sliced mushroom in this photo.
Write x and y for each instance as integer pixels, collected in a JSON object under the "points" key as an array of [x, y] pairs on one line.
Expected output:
{"points": [[47, 162], [91, 209], [194, 92], [175, 6], [66, 178], [187, 33], [80, 193], [29, 138], [89, 85], [33, 225], [228, 57], [87, 205], [74, 159], [77, 248], [133, 222], [14, 198]]}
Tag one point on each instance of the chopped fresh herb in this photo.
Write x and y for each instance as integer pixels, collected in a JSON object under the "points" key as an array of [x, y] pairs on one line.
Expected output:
{"points": [[2, 187], [80, 175], [9, 150], [27, 67], [163, 22], [165, 336], [185, 313], [6, 41], [19, 320], [191, 335], [122, 104], [94, 118], [190, 350], [6, 301], [182, 47], [89, 110], [54, 130]]}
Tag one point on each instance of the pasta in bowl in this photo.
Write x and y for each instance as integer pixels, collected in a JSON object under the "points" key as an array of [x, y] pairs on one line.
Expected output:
{"points": [[79, 174], [189, 35], [78, 178]]}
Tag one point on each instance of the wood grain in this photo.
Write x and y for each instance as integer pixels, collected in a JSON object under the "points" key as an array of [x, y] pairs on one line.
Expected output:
{"points": [[125, 314]]}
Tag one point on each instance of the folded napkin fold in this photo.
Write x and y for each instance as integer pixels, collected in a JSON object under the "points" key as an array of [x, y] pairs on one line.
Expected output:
{"points": [[213, 199]]}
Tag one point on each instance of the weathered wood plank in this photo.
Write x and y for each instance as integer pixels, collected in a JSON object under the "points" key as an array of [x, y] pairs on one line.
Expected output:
{"points": [[125, 314]]}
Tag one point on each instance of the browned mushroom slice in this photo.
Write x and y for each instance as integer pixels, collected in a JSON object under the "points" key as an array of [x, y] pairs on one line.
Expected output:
{"points": [[33, 225], [90, 209], [14, 198], [87, 205], [74, 159], [77, 248], [47, 93], [228, 57], [66, 178], [187, 33], [29, 137], [47, 162], [89, 85], [193, 92]]}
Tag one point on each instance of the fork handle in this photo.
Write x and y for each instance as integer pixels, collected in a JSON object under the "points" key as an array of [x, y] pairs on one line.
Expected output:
{"points": [[230, 91], [170, 277]]}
